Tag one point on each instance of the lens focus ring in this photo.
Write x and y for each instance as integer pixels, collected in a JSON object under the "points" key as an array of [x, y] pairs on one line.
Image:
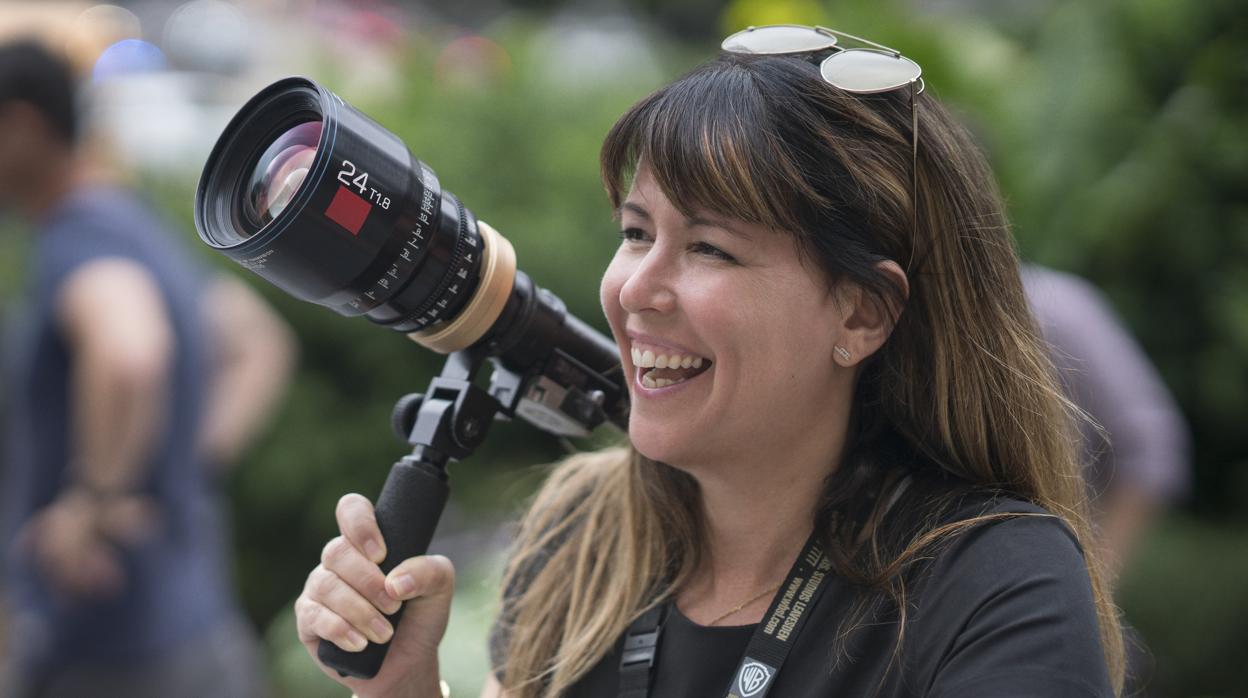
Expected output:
{"points": [[461, 278]]}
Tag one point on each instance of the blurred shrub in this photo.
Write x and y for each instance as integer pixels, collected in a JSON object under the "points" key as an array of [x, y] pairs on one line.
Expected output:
{"points": [[1125, 155], [1185, 595]]}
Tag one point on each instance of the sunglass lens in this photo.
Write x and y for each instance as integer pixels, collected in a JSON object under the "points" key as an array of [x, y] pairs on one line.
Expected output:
{"points": [[778, 38], [868, 70]]}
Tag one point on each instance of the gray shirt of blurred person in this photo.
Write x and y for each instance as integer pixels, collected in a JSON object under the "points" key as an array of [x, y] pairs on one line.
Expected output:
{"points": [[1137, 452], [133, 371]]}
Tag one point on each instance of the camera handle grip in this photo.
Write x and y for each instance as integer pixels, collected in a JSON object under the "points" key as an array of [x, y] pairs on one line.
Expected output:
{"points": [[408, 510]]}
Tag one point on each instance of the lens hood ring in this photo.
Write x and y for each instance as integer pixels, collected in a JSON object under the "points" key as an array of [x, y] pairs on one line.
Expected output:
{"points": [[498, 275]]}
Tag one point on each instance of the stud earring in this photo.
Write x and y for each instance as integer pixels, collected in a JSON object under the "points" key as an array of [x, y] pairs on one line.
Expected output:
{"points": [[842, 352]]}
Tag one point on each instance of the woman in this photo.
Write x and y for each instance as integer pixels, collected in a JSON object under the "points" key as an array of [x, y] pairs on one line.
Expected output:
{"points": [[849, 470]]}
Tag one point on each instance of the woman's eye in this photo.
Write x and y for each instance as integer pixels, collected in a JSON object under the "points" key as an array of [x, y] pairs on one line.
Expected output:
{"points": [[712, 251], [637, 235], [632, 234]]}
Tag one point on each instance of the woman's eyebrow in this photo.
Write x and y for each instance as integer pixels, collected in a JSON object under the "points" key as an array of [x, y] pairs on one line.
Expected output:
{"points": [[715, 223], [691, 222], [635, 208]]}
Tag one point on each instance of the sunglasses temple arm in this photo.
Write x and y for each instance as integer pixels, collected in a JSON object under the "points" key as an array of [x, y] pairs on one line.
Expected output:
{"points": [[857, 38], [914, 125], [914, 168]]}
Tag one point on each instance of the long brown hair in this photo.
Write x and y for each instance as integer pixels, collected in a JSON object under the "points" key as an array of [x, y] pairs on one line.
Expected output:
{"points": [[962, 397]]}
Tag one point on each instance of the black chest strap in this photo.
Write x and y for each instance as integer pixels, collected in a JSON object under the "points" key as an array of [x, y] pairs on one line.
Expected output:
{"points": [[641, 645], [769, 646]]}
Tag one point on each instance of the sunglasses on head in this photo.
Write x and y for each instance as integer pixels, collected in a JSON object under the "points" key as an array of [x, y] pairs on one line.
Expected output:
{"points": [[859, 70]]}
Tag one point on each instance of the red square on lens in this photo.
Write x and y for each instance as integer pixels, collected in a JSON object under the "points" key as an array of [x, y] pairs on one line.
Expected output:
{"points": [[348, 210]]}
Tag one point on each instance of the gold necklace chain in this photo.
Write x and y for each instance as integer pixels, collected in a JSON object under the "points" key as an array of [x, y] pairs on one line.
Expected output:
{"points": [[745, 603]]}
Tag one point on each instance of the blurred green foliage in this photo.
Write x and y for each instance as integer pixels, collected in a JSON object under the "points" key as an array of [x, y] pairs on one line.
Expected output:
{"points": [[1119, 132], [1128, 163], [1185, 595]]}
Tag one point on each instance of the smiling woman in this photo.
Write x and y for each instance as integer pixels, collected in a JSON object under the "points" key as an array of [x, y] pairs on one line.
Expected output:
{"points": [[849, 468], [869, 372]]}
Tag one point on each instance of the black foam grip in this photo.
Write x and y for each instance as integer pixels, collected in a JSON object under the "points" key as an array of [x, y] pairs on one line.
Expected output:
{"points": [[408, 510]]}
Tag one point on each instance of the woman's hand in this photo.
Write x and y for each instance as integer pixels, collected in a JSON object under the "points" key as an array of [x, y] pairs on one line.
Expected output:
{"points": [[347, 596]]}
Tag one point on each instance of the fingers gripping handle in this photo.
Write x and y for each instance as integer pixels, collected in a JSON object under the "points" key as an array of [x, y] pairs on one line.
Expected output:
{"points": [[408, 510]]}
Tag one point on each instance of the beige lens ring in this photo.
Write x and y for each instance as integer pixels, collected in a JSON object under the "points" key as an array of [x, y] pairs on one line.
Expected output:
{"points": [[497, 278]]}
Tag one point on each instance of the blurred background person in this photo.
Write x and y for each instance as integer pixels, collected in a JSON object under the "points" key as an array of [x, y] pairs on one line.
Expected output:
{"points": [[1136, 448], [135, 373], [1138, 459], [6, 678]]}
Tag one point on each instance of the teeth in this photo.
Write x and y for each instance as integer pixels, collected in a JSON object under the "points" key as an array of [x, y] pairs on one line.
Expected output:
{"points": [[648, 359], [652, 383]]}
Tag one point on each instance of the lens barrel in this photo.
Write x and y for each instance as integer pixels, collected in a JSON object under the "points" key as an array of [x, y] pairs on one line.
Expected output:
{"points": [[341, 215]]}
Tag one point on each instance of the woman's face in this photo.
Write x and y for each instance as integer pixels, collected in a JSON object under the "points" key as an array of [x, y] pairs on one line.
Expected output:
{"points": [[749, 327]]}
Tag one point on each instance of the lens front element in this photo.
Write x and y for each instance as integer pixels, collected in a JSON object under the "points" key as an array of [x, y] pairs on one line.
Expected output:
{"points": [[320, 200], [280, 171]]}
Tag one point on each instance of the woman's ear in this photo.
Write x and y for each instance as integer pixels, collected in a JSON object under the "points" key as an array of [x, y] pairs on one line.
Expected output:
{"points": [[869, 320]]}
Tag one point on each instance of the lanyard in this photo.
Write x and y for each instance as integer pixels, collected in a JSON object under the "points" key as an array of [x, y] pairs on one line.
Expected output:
{"points": [[769, 645]]}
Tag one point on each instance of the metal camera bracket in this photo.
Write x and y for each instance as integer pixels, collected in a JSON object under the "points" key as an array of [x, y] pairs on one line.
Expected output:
{"points": [[452, 417]]}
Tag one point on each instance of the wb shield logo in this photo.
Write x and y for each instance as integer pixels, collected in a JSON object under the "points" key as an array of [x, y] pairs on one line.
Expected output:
{"points": [[753, 679]]}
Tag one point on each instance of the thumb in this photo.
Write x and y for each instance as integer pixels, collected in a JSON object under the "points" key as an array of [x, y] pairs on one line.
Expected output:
{"points": [[421, 576]]}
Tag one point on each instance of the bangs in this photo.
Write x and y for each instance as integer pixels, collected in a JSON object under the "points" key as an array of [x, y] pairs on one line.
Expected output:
{"points": [[711, 141]]}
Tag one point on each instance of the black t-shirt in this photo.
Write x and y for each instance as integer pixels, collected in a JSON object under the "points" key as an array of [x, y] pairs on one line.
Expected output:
{"points": [[1006, 609]]}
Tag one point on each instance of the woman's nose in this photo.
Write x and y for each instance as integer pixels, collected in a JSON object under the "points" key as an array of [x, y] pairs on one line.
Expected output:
{"points": [[648, 286]]}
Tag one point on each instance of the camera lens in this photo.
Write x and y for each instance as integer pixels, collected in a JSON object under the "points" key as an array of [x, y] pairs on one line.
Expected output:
{"points": [[320, 200], [280, 171]]}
